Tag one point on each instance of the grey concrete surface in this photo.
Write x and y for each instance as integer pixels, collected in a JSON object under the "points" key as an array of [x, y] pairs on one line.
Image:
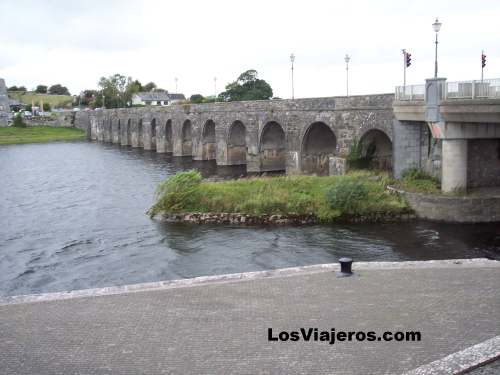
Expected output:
{"points": [[221, 327]]}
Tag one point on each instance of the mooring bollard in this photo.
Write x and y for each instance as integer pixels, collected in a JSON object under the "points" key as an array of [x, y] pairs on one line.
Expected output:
{"points": [[345, 267]]}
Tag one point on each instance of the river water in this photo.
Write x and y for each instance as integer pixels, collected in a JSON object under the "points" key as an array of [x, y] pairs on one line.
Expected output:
{"points": [[72, 216]]}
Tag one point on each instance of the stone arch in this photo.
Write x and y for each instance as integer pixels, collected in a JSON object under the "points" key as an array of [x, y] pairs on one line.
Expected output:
{"points": [[318, 144], [236, 144], [272, 148], [208, 141], [140, 134], [376, 147], [128, 132], [187, 138], [168, 136], [153, 134]]}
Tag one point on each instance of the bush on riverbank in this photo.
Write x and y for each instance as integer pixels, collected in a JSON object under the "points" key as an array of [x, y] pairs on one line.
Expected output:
{"points": [[37, 134], [417, 181], [328, 198]]}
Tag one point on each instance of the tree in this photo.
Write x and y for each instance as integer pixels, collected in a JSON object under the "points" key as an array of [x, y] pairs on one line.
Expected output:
{"points": [[196, 99], [41, 89], [18, 121], [13, 88], [21, 88], [247, 87], [57, 89], [149, 86]]}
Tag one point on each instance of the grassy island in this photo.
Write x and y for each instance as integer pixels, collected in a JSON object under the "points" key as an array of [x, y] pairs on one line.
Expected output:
{"points": [[326, 198], [37, 134]]}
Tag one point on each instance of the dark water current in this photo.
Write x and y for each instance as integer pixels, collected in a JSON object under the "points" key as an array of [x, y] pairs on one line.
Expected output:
{"points": [[72, 217]]}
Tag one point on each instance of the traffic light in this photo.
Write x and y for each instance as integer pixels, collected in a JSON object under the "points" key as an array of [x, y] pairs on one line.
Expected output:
{"points": [[483, 60], [408, 59]]}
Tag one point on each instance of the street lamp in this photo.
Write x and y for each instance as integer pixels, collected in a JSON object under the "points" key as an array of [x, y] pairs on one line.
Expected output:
{"points": [[347, 59], [292, 59], [176, 79], [436, 26]]}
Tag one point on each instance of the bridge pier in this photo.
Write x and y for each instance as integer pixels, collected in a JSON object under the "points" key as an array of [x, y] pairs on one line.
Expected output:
{"points": [[136, 134], [124, 133], [107, 130], [454, 165], [115, 132], [148, 136]]}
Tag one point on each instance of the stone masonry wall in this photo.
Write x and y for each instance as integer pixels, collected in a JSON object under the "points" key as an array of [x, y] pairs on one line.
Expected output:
{"points": [[348, 118]]}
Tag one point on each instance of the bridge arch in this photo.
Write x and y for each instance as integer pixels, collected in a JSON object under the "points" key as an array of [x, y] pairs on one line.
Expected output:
{"points": [[187, 138], [128, 132], [140, 134], [318, 144], [168, 136], [153, 134], [208, 141], [236, 144], [376, 147], [272, 148]]}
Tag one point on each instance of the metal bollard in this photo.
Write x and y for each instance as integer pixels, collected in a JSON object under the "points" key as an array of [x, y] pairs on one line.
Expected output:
{"points": [[345, 267]]}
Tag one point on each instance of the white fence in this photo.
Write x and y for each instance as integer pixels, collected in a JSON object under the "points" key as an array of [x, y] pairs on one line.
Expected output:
{"points": [[487, 89]]}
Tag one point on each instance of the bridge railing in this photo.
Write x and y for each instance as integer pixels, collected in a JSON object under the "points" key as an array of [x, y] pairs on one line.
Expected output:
{"points": [[410, 92], [474, 89], [487, 88]]}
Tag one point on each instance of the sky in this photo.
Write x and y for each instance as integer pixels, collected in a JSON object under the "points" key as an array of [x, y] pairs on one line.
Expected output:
{"points": [[74, 43]]}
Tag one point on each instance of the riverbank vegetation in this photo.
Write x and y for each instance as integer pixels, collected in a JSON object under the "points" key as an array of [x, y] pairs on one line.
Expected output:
{"points": [[327, 198], [417, 181], [38, 134]]}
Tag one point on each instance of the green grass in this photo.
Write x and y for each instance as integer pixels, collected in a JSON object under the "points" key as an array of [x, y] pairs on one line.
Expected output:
{"points": [[55, 101], [38, 134], [328, 198], [417, 181]]}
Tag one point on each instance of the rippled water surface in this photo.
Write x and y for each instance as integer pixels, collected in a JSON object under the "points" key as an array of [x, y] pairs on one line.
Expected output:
{"points": [[72, 216]]}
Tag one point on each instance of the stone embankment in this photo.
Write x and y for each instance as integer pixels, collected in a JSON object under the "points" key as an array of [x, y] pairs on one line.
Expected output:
{"points": [[479, 208], [245, 219]]}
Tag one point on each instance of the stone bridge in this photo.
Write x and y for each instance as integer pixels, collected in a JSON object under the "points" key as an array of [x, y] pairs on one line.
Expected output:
{"points": [[297, 136]]}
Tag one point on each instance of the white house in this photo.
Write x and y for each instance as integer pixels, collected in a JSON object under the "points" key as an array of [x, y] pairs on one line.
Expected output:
{"points": [[160, 98]]}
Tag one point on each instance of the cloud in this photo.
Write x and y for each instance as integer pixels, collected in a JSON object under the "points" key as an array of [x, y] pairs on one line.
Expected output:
{"points": [[76, 43]]}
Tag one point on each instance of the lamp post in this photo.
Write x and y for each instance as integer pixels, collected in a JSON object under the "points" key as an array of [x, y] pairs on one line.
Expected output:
{"points": [[292, 59], [347, 59], [215, 89], [176, 79], [436, 26]]}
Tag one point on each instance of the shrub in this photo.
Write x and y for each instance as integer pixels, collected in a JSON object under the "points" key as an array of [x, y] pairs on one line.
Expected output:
{"points": [[355, 157], [18, 122], [347, 194], [416, 180], [178, 193]]}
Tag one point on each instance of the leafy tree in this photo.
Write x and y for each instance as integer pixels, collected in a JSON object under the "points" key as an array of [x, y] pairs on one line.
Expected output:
{"points": [[41, 89], [22, 88], [13, 88], [247, 87], [149, 86], [57, 89], [113, 91], [18, 122], [86, 97], [196, 99]]}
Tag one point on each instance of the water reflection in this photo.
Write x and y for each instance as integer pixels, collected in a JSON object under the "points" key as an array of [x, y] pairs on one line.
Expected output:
{"points": [[72, 217]]}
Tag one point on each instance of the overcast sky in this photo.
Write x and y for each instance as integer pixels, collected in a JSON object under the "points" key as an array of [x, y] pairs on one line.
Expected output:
{"points": [[77, 42]]}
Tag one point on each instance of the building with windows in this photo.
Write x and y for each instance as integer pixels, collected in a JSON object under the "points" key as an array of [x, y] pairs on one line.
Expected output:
{"points": [[156, 98]]}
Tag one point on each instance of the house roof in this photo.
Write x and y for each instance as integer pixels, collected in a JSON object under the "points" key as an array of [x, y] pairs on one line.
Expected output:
{"points": [[176, 96], [156, 95]]}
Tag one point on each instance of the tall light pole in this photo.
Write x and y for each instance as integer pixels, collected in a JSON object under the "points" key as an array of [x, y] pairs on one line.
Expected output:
{"points": [[347, 59], [215, 89], [436, 26], [176, 79], [292, 59]]}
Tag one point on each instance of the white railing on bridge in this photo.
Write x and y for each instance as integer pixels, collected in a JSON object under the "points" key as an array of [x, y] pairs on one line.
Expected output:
{"points": [[410, 92], [488, 88], [474, 89]]}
